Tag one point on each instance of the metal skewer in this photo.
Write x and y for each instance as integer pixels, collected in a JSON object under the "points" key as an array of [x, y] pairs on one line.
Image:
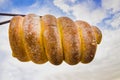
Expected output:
{"points": [[4, 22], [9, 14]]}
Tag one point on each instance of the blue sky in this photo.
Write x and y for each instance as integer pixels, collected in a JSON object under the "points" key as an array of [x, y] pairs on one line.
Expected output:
{"points": [[104, 14], [96, 12]]}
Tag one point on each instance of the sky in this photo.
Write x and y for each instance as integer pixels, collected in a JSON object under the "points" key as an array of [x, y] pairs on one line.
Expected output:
{"points": [[105, 14]]}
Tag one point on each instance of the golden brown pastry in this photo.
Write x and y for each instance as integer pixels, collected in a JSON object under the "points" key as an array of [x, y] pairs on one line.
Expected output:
{"points": [[98, 34], [16, 39], [32, 35], [70, 40], [88, 41], [42, 39], [52, 40]]}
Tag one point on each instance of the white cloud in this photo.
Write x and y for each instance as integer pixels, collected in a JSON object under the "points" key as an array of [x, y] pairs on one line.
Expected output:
{"points": [[111, 4], [62, 5], [88, 11], [114, 6], [82, 11], [73, 1], [115, 22]]}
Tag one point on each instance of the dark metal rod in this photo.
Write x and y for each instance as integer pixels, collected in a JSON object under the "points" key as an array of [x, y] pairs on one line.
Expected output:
{"points": [[9, 14], [4, 22]]}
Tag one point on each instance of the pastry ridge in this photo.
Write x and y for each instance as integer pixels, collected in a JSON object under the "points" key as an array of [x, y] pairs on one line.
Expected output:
{"points": [[89, 44], [52, 40], [32, 37], [16, 42], [70, 40]]}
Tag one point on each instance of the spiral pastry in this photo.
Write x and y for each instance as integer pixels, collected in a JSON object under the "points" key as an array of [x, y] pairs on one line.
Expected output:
{"points": [[47, 38]]}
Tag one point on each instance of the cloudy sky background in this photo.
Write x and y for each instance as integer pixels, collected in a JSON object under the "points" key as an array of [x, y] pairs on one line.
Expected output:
{"points": [[103, 13]]}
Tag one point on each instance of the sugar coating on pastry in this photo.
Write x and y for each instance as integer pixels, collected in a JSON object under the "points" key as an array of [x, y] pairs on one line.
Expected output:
{"points": [[52, 41], [33, 38], [47, 38], [70, 40], [88, 40], [15, 38]]}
